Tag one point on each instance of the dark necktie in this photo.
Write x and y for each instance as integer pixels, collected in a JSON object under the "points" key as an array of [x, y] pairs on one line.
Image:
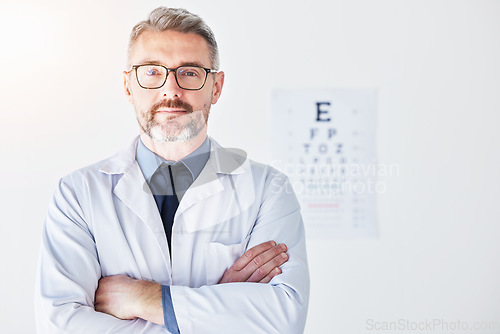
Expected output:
{"points": [[168, 210], [167, 203]]}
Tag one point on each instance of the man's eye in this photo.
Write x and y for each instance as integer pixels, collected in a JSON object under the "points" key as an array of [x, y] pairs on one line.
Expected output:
{"points": [[189, 73], [152, 71]]}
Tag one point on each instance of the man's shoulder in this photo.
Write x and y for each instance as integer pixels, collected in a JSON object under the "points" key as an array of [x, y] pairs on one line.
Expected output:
{"points": [[267, 172], [264, 168], [236, 161], [118, 163]]}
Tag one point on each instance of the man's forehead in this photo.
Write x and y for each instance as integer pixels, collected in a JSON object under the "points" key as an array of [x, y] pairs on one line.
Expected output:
{"points": [[154, 44]]}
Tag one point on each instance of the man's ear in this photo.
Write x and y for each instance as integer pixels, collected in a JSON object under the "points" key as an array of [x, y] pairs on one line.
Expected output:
{"points": [[126, 86], [217, 88]]}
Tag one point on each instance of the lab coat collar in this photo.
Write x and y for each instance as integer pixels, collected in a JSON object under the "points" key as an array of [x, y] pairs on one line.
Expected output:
{"points": [[132, 183], [226, 160], [121, 162]]}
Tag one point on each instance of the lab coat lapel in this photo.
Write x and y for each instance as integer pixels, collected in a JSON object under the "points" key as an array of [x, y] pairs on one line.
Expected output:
{"points": [[206, 185], [134, 192], [221, 164]]}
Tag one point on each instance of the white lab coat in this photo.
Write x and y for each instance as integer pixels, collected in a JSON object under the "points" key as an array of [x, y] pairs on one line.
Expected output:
{"points": [[103, 221]]}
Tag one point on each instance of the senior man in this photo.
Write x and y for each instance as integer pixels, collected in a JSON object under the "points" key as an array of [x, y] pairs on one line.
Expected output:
{"points": [[175, 233]]}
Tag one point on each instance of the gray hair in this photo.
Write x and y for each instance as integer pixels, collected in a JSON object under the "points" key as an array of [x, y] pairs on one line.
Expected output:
{"points": [[180, 20]]}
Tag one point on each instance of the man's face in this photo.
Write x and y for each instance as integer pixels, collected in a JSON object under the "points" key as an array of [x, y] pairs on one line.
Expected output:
{"points": [[171, 113]]}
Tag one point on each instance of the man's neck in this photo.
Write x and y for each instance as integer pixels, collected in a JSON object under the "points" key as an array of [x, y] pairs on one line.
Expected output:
{"points": [[174, 151]]}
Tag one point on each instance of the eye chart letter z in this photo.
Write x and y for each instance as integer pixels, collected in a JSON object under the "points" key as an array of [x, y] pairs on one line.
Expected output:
{"points": [[324, 141]]}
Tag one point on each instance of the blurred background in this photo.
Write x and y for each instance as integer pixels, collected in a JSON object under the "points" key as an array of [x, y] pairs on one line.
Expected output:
{"points": [[434, 63]]}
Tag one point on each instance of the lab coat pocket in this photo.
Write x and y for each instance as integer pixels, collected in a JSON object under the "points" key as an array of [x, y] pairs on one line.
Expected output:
{"points": [[219, 257]]}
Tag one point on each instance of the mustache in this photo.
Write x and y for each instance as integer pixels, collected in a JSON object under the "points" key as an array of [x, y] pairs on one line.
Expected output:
{"points": [[170, 103]]}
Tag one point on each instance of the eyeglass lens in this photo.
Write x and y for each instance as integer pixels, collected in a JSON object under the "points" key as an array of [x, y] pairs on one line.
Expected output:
{"points": [[154, 76]]}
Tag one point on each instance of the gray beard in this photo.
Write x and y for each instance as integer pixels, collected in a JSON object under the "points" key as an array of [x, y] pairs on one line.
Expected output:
{"points": [[172, 131]]}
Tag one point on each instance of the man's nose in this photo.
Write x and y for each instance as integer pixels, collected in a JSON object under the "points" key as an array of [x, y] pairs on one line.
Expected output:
{"points": [[171, 89]]}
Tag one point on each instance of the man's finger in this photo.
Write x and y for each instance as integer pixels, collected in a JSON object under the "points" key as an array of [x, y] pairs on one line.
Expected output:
{"points": [[269, 277], [256, 266], [266, 269], [250, 254]]}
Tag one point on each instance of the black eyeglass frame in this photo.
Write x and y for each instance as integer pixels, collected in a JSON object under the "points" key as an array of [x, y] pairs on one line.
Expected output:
{"points": [[207, 71]]}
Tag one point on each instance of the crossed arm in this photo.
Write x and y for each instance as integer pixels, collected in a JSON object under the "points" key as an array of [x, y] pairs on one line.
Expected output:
{"points": [[128, 298]]}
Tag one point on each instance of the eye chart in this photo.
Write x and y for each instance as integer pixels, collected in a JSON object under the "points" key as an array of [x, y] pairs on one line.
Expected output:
{"points": [[324, 141]]}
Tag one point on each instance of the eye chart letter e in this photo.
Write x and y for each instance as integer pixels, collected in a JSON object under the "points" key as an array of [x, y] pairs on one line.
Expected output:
{"points": [[324, 141]]}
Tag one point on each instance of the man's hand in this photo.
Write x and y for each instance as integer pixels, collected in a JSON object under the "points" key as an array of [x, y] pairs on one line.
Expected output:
{"points": [[259, 264], [128, 298]]}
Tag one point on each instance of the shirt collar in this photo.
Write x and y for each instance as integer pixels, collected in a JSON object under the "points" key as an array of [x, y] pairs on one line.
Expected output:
{"points": [[194, 162]]}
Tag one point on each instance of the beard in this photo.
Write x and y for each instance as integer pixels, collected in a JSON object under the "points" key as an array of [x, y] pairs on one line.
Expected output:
{"points": [[181, 128]]}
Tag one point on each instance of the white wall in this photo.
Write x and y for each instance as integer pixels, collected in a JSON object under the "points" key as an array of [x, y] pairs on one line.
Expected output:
{"points": [[434, 63]]}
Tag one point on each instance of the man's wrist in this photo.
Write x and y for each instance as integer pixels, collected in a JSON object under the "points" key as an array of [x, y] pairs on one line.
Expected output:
{"points": [[149, 304]]}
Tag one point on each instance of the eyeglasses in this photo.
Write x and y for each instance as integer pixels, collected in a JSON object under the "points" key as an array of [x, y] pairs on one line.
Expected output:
{"points": [[155, 76]]}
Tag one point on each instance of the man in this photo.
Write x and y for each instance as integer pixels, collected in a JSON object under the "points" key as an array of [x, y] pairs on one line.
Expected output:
{"points": [[175, 233]]}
